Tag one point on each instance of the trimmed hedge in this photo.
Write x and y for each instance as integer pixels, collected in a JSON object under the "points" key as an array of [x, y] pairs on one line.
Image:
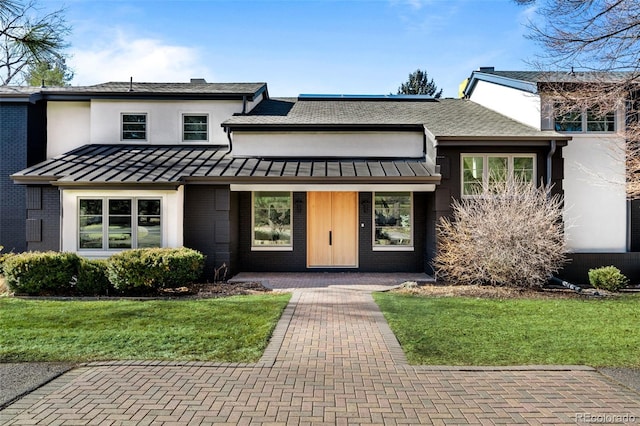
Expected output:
{"points": [[152, 269], [92, 278], [38, 273], [607, 278]]}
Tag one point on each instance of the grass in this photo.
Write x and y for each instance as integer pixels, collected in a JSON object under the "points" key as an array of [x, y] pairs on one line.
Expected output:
{"points": [[233, 329], [473, 331]]}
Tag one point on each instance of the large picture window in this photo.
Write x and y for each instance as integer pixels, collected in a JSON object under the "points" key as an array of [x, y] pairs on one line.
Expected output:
{"points": [[590, 121], [272, 220], [393, 220], [134, 127], [479, 170], [119, 223]]}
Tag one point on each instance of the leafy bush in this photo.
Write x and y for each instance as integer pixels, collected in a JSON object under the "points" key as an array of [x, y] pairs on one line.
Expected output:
{"points": [[92, 278], [151, 269], [607, 278], [512, 235], [37, 273]]}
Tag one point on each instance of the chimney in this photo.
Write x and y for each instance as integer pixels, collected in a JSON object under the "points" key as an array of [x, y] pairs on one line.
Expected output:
{"points": [[486, 69]]}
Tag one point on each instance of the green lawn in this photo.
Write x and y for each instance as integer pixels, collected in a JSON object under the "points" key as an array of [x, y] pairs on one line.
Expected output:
{"points": [[472, 331], [234, 329]]}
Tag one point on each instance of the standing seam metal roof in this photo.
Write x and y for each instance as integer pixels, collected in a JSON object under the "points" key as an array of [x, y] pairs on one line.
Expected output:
{"points": [[171, 164]]}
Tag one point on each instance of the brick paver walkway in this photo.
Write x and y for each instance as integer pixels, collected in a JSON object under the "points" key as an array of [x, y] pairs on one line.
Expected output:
{"points": [[332, 360]]}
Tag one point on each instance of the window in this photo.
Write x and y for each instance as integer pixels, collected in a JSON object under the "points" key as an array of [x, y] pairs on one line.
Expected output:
{"points": [[107, 224], [194, 128], [134, 127], [479, 170], [271, 220], [393, 221], [592, 120]]}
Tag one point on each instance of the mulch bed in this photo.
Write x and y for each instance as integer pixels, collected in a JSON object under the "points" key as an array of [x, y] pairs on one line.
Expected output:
{"points": [[488, 292], [212, 290]]}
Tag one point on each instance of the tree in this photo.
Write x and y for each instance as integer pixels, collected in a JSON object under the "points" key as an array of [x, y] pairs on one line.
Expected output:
{"points": [[28, 38], [601, 37], [45, 73], [419, 84], [512, 235]]}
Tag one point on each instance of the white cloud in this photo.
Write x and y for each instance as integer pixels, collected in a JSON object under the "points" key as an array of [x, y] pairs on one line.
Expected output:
{"points": [[144, 59]]}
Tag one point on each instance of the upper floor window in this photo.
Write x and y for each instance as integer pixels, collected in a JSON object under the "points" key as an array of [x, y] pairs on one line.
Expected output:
{"points": [[195, 128], [119, 223], [588, 121], [134, 127], [480, 170]]}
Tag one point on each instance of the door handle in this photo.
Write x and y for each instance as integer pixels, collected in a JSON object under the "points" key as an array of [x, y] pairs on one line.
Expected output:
{"points": [[330, 238]]}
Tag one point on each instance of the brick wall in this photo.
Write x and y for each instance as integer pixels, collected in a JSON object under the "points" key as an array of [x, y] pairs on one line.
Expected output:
{"points": [[13, 158], [43, 218]]}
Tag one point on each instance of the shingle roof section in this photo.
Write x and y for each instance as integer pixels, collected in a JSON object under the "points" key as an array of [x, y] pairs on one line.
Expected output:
{"points": [[561, 76], [442, 117], [172, 164], [114, 88]]}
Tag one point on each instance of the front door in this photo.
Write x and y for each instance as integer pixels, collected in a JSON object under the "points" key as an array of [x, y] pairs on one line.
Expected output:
{"points": [[332, 229]]}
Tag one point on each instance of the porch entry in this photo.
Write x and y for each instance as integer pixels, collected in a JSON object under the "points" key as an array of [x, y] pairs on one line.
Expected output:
{"points": [[332, 229]]}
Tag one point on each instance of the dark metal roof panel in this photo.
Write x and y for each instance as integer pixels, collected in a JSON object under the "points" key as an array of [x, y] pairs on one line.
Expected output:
{"points": [[173, 164]]}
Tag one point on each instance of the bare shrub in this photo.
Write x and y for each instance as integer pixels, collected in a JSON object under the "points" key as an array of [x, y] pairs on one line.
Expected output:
{"points": [[511, 235]]}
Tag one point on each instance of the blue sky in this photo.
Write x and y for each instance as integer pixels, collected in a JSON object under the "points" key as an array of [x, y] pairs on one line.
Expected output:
{"points": [[296, 46]]}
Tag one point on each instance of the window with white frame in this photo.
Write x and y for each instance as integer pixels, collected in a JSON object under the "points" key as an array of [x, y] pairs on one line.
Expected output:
{"points": [[589, 121], [392, 217], [479, 170], [134, 127], [119, 223], [272, 219], [195, 128]]}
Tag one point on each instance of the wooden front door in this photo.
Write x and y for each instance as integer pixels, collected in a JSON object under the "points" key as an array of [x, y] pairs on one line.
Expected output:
{"points": [[332, 229]]}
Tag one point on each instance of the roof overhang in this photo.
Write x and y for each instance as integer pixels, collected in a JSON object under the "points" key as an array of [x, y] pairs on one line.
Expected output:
{"points": [[476, 76]]}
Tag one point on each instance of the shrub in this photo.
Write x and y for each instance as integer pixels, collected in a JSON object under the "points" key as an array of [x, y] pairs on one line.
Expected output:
{"points": [[152, 269], [92, 278], [607, 278], [36, 273], [3, 257], [512, 235]]}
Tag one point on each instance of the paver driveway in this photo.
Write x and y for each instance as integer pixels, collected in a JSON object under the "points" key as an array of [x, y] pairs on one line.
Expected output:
{"points": [[332, 360]]}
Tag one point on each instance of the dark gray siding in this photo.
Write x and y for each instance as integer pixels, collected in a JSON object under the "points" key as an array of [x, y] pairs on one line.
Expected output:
{"points": [[43, 218], [13, 157], [281, 261], [369, 260], [576, 271], [207, 224]]}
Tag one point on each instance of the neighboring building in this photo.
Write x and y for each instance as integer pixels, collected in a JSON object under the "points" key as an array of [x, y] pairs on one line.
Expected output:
{"points": [[314, 183], [603, 228]]}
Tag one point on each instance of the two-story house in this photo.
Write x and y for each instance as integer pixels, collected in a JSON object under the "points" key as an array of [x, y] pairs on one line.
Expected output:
{"points": [[602, 226], [318, 182]]}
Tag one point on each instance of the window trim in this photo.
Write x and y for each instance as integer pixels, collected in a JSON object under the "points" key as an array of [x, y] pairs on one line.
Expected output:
{"points": [[584, 123], [383, 247], [146, 127], [195, 114], [254, 247], [105, 223], [485, 167]]}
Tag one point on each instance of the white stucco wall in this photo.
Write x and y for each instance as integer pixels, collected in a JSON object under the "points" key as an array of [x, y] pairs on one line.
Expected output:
{"points": [[68, 126], [329, 144], [520, 105], [164, 119], [172, 216], [595, 201]]}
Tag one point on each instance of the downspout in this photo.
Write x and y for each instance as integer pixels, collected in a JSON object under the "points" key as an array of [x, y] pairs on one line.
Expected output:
{"points": [[244, 105], [230, 140], [552, 151]]}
